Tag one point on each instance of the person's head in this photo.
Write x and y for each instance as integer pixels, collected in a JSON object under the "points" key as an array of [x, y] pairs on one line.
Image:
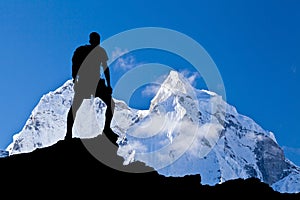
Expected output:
{"points": [[94, 38]]}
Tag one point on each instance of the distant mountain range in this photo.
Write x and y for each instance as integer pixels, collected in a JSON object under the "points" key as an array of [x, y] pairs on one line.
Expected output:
{"points": [[185, 133]]}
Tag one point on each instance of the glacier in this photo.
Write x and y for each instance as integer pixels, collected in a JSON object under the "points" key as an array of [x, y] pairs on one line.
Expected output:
{"points": [[185, 131]]}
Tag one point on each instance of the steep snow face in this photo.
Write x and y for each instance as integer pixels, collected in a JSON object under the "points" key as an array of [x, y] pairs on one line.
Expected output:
{"points": [[190, 131], [160, 136], [47, 123]]}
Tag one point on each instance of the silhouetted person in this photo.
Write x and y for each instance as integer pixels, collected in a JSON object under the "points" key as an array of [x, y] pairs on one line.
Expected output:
{"points": [[86, 63]]}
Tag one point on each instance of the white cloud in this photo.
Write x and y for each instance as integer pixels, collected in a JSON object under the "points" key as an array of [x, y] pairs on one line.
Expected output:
{"points": [[292, 150], [118, 52], [191, 76], [150, 90], [151, 126], [184, 136], [128, 151], [188, 138], [123, 61], [205, 139]]}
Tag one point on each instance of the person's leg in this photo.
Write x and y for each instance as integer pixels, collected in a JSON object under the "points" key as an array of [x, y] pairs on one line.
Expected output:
{"points": [[77, 100], [70, 121], [102, 93], [113, 137]]}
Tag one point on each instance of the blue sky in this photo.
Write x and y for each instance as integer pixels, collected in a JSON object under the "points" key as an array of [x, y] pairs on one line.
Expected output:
{"points": [[254, 44]]}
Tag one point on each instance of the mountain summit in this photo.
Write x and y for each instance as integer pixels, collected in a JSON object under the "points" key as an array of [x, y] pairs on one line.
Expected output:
{"points": [[186, 131], [191, 131]]}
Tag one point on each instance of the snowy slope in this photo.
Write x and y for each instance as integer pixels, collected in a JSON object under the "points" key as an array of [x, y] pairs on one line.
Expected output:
{"points": [[185, 131], [190, 131], [47, 123]]}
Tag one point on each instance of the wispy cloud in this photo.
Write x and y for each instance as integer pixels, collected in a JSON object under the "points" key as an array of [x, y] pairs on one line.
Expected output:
{"points": [[150, 90], [183, 136], [123, 61], [191, 76], [118, 52], [292, 150], [294, 69]]}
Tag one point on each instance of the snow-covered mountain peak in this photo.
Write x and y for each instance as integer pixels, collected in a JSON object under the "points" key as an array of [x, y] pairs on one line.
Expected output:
{"points": [[174, 84], [185, 131], [190, 131], [47, 123]]}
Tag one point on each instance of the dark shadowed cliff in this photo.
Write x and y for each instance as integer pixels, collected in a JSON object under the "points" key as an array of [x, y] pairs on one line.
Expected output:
{"points": [[68, 168]]}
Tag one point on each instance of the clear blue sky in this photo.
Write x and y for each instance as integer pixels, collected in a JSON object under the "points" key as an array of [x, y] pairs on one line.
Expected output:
{"points": [[255, 45]]}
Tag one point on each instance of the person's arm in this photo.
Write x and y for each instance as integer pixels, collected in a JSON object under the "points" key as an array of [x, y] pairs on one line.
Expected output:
{"points": [[74, 67], [107, 75]]}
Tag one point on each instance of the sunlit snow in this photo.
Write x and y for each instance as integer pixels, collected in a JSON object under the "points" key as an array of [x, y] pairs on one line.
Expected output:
{"points": [[185, 131]]}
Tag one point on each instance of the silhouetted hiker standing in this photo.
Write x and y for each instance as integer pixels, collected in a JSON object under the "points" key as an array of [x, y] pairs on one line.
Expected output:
{"points": [[86, 63]]}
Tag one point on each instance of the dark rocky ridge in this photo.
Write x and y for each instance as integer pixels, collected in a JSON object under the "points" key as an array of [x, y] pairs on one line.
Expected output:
{"points": [[68, 168]]}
